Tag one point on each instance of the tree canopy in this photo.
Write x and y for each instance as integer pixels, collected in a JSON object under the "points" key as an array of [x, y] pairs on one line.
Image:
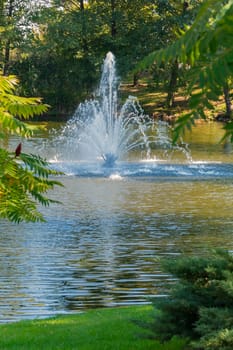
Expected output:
{"points": [[206, 50], [57, 47], [61, 54]]}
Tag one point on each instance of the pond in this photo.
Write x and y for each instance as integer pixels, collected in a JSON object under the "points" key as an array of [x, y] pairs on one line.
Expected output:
{"points": [[101, 247]]}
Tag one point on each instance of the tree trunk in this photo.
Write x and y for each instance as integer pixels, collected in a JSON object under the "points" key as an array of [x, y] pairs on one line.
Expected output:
{"points": [[185, 7], [113, 19], [227, 99], [135, 79], [172, 84], [1, 12], [6, 58], [174, 71], [81, 4], [8, 43], [84, 30]]}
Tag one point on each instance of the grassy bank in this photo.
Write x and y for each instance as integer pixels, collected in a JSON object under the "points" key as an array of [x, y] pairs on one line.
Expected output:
{"points": [[104, 329], [153, 101]]}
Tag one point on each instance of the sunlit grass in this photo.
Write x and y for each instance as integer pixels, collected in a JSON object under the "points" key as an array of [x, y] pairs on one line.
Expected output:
{"points": [[153, 100], [149, 98], [105, 329]]}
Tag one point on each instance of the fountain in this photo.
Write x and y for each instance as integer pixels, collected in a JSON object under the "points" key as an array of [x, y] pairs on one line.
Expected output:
{"points": [[103, 139], [100, 131]]}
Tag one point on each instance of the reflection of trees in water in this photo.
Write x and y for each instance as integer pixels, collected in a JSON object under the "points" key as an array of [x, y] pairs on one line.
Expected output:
{"points": [[102, 246]]}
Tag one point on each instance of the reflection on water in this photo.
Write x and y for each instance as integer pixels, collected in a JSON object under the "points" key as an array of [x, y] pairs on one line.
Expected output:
{"points": [[102, 246]]}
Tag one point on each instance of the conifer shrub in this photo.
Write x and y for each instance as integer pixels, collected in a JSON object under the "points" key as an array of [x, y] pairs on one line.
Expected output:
{"points": [[200, 304]]}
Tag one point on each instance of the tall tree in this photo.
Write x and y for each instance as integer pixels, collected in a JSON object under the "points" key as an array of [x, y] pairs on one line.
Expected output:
{"points": [[113, 18], [9, 16], [207, 48], [172, 18]]}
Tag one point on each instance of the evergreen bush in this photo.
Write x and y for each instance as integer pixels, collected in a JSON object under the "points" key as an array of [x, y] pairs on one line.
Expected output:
{"points": [[200, 304]]}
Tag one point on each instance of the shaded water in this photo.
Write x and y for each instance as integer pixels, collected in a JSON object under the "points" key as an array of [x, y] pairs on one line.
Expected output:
{"points": [[101, 247]]}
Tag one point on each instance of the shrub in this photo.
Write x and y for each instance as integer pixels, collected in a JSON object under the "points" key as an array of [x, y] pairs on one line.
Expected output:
{"points": [[200, 304]]}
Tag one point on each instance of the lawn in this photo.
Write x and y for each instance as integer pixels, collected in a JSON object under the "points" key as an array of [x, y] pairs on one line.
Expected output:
{"points": [[101, 329], [153, 101]]}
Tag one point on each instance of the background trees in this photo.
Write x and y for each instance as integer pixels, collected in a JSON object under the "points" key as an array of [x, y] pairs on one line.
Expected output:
{"points": [[206, 51], [172, 18], [57, 47], [60, 51]]}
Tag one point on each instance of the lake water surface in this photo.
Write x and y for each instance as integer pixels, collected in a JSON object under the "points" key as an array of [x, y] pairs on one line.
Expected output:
{"points": [[101, 247]]}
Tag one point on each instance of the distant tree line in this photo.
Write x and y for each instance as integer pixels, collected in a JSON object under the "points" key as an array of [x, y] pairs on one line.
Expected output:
{"points": [[57, 47]]}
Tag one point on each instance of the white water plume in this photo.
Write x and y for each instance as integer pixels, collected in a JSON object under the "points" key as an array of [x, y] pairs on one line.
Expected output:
{"points": [[100, 130]]}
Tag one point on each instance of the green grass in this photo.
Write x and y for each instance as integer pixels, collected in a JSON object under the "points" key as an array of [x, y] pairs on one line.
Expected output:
{"points": [[102, 329], [153, 100]]}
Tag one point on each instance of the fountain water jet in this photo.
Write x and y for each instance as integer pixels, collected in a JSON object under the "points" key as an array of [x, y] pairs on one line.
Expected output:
{"points": [[98, 130], [101, 131]]}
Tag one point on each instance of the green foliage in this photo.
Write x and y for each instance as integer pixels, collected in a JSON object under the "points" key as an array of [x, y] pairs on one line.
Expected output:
{"points": [[199, 306], [171, 18], [56, 61], [206, 51], [215, 328], [12, 105], [24, 179], [61, 59], [22, 186]]}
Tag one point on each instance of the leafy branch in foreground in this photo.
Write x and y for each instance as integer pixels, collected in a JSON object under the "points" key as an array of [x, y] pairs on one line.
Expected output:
{"points": [[14, 108], [24, 179], [207, 52], [23, 185]]}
